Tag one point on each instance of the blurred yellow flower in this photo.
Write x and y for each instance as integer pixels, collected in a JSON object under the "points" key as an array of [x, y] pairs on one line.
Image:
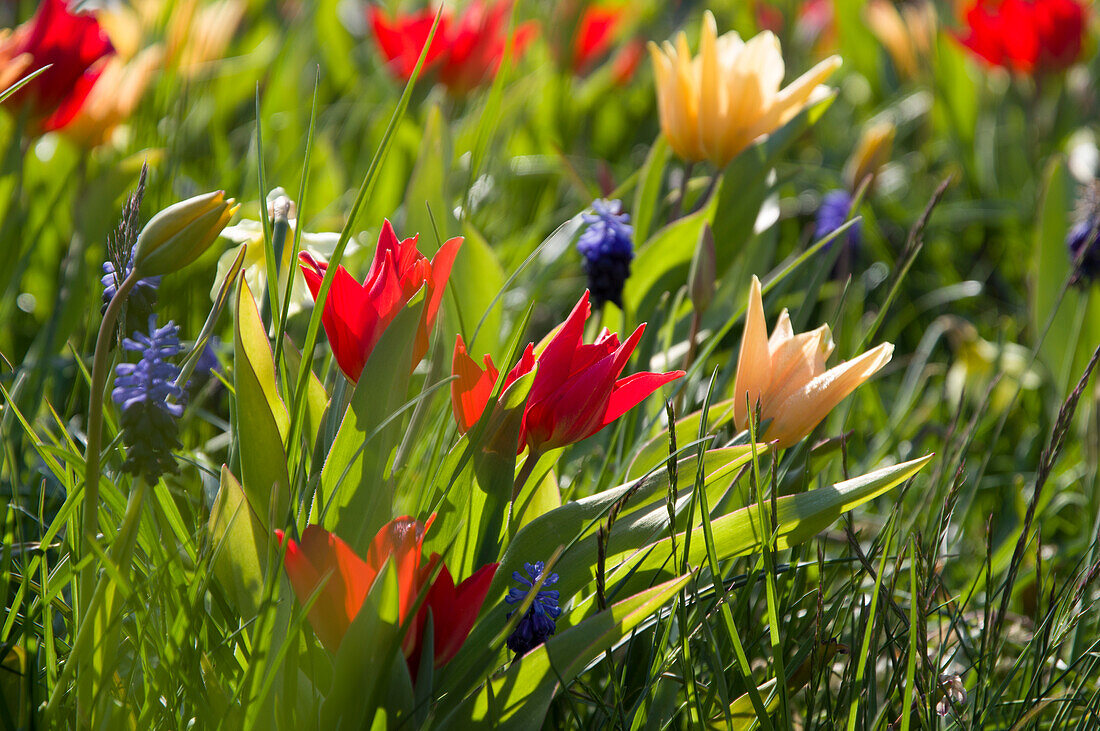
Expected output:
{"points": [[872, 152], [716, 104], [195, 34], [250, 235], [907, 33], [785, 374]]}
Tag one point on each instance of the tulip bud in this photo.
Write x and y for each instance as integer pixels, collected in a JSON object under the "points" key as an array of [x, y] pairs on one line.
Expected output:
{"points": [[872, 152], [701, 279], [180, 233]]}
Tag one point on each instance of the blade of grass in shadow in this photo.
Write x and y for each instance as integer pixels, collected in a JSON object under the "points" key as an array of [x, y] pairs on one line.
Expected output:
{"points": [[365, 189]]}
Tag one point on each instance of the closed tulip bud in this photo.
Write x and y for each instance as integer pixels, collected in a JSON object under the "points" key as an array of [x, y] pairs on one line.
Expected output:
{"points": [[180, 233], [701, 279], [872, 152]]}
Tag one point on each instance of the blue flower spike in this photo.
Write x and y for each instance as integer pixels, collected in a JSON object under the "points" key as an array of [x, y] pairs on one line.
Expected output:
{"points": [[608, 248], [150, 400], [537, 624]]}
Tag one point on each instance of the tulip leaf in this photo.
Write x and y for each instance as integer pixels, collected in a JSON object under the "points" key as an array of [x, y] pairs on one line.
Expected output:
{"points": [[639, 545], [261, 417], [657, 265], [799, 517], [655, 451], [576, 520], [355, 496], [520, 697], [362, 665], [662, 262], [476, 279], [649, 190], [1075, 328], [240, 547]]}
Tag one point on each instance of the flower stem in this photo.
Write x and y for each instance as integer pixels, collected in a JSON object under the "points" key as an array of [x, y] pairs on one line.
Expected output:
{"points": [[95, 428]]}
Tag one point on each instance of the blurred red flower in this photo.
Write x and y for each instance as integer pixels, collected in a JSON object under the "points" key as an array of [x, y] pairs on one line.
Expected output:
{"points": [[70, 44], [576, 391], [356, 315], [1025, 36], [466, 52], [348, 579]]}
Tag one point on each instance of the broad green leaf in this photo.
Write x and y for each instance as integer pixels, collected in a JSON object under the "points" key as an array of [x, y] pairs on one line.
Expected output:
{"points": [[355, 497], [648, 191], [240, 547], [742, 715], [520, 697], [661, 263], [1075, 329], [363, 664], [428, 187], [261, 418], [545, 497], [578, 520], [476, 278], [800, 517], [655, 451]]}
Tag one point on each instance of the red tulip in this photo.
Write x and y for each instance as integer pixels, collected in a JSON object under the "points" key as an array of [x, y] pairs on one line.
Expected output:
{"points": [[472, 386], [350, 578], [576, 391], [626, 61], [1026, 36], [356, 315], [595, 32], [466, 52], [71, 44]]}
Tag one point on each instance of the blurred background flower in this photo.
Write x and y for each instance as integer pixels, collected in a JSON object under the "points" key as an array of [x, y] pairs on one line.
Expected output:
{"points": [[1025, 36], [74, 47]]}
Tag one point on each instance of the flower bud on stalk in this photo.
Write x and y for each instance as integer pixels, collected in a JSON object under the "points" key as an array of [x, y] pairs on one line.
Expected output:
{"points": [[180, 233], [701, 278]]}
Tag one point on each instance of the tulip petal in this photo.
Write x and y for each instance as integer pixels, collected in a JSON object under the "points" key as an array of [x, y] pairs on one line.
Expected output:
{"points": [[802, 411], [455, 608], [754, 361], [472, 386], [323, 556], [632, 390], [790, 101], [555, 362]]}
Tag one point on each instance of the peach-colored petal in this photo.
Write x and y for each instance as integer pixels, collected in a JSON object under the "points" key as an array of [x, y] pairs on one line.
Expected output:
{"points": [[754, 362], [802, 411]]}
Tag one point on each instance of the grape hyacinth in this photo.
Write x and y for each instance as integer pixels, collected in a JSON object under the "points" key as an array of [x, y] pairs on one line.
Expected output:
{"points": [[537, 624], [831, 215], [1085, 237], [142, 298], [142, 392], [607, 249]]}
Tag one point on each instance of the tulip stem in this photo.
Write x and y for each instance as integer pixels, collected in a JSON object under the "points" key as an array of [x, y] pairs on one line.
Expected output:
{"points": [[689, 357], [678, 204], [521, 479], [95, 427]]}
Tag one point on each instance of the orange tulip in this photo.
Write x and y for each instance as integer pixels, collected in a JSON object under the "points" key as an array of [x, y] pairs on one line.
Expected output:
{"points": [[785, 374]]}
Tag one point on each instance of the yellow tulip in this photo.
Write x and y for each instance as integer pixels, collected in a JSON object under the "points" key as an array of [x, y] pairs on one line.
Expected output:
{"points": [[907, 33], [716, 104], [785, 374]]}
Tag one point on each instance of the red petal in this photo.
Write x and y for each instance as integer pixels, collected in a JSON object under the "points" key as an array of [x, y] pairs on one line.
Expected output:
{"points": [[632, 390], [471, 388]]}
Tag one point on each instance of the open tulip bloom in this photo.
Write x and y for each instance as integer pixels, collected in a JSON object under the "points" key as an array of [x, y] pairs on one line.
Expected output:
{"points": [[714, 105], [466, 51], [348, 579], [785, 375], [356, 315], [576, 391]]}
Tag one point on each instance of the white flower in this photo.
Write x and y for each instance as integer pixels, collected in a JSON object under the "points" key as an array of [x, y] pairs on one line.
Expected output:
{"points": [[249, 234]]}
